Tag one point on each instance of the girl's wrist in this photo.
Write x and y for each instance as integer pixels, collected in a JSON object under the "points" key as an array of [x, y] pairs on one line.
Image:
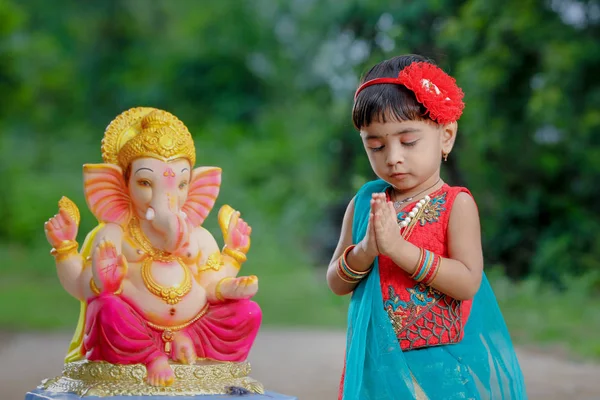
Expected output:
{"points": [[360, 258], [372, 254], [399, 252]]}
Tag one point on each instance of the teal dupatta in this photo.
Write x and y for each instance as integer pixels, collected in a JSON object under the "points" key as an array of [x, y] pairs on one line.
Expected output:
{"points": [[482, 366]]}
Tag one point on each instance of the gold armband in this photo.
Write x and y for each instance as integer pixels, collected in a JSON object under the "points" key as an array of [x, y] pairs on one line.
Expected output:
{"points": [[235, 254], [66, 249], [218, 294], [214, 262]]}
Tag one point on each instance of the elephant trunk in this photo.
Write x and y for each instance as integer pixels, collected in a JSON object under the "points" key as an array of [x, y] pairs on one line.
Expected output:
{"points": [[166, 219]]}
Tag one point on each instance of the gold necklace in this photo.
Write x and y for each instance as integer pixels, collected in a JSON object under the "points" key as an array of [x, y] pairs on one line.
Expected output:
{"points": [[135, 231], [171, 295], [398, 203]]}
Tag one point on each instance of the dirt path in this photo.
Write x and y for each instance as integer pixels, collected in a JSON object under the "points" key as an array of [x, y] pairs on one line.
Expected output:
{"points": [[303, 363]]}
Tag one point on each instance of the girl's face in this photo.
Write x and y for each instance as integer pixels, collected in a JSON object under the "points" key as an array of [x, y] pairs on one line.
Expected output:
{"points": [[407, 154]]}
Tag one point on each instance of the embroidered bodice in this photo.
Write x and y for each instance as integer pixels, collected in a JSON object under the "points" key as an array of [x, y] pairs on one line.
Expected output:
{"points": [[420, 315]]}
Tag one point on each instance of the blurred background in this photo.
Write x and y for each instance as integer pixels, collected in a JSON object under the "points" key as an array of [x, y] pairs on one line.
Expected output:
{"points": [[266, 89]]}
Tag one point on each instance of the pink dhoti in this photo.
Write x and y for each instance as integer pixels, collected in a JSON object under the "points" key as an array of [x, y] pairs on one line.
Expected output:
{"points": [[115, 332]]}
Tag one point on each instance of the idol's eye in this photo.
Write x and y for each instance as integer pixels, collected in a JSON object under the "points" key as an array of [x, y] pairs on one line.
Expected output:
{"points": [[183, 184], [144, 182]]}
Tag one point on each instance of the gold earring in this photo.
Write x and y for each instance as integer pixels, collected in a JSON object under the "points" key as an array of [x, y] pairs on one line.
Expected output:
{"points": [[445, 155]]}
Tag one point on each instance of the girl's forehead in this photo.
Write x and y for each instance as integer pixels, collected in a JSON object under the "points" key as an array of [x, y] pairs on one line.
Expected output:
{"points": [[382, 129]]}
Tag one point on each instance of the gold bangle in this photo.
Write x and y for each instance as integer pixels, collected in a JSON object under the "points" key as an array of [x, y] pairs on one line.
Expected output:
{"points": [[66, 249], [218, 294], [93, 286], [235, 254], [345, 261], [343, 277], [97, 291], [65, 246], [235, 263]]}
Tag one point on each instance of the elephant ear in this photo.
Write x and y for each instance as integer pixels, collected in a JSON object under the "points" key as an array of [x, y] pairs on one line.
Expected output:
{"points": [[204, 189], [106, 193]]}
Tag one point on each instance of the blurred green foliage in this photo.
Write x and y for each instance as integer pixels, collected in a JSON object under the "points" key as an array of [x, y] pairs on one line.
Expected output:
{"points": [[540, 315], [266, 89]]}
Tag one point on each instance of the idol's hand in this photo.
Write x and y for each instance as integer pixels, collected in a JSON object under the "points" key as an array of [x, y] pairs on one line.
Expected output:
{"points": [[60, 228], [108, 267], [243, 287]]}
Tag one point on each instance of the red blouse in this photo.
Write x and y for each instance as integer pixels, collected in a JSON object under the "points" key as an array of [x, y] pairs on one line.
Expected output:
{"points": [[422, 316]]}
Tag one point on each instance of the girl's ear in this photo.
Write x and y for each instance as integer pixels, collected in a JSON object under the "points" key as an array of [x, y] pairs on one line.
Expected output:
{"points": [[448, 136]]}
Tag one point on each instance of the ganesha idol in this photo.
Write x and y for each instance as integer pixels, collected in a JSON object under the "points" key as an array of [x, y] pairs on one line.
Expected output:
{"points": [[163, 310]]}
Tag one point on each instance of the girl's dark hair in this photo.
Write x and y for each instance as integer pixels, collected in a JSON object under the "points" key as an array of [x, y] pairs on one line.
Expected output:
{"points": [[385, 102]]}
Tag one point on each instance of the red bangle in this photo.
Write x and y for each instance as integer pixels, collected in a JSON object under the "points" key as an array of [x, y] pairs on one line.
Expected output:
{"points": [[434, 271], [431, 270], [343, 276]]}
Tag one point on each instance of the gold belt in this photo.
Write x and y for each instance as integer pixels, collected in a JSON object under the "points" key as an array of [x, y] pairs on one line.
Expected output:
{"points": [[168, 332]]}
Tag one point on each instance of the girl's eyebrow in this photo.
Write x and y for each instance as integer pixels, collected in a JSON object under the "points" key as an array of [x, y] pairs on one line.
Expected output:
{"points": [[400, 132]]}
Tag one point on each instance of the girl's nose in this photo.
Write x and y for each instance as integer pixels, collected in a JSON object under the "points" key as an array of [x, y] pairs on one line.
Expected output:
{"points": [[395, 156]]}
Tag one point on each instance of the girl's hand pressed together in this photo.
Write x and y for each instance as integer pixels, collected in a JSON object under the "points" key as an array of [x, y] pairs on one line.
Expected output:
{"points": [[369, 243], [387, 231]]}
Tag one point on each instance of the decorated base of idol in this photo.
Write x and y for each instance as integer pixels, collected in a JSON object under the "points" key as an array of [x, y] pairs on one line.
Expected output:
{"points": [[163, 311], [207, 380], [204, 380]]}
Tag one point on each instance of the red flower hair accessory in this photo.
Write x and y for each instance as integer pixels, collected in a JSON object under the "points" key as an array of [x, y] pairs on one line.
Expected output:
{"points": [[436, 90]]}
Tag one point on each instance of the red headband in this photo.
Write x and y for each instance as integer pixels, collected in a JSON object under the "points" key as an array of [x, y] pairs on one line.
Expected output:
{"points": [[433, 88]]}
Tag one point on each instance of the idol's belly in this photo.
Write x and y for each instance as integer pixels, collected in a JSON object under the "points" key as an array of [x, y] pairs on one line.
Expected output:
{"points": [[164, 305]]}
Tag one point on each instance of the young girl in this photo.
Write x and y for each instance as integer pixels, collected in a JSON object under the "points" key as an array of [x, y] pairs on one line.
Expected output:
{"points": [[423, 320]]}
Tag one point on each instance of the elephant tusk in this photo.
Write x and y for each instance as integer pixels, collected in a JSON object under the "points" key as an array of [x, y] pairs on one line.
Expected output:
{"points": [[150, 214]]}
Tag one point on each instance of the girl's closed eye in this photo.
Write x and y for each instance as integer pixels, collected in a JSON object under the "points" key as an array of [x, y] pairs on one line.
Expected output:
{"points": [[375, 145], [409, 139]]}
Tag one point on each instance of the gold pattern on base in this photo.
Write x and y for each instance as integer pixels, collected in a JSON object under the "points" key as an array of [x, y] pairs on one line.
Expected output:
{"points": [[88, 378]]}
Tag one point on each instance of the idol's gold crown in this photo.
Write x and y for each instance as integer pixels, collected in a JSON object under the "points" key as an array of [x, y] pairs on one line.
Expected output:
{"points": [[146, 132]]}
